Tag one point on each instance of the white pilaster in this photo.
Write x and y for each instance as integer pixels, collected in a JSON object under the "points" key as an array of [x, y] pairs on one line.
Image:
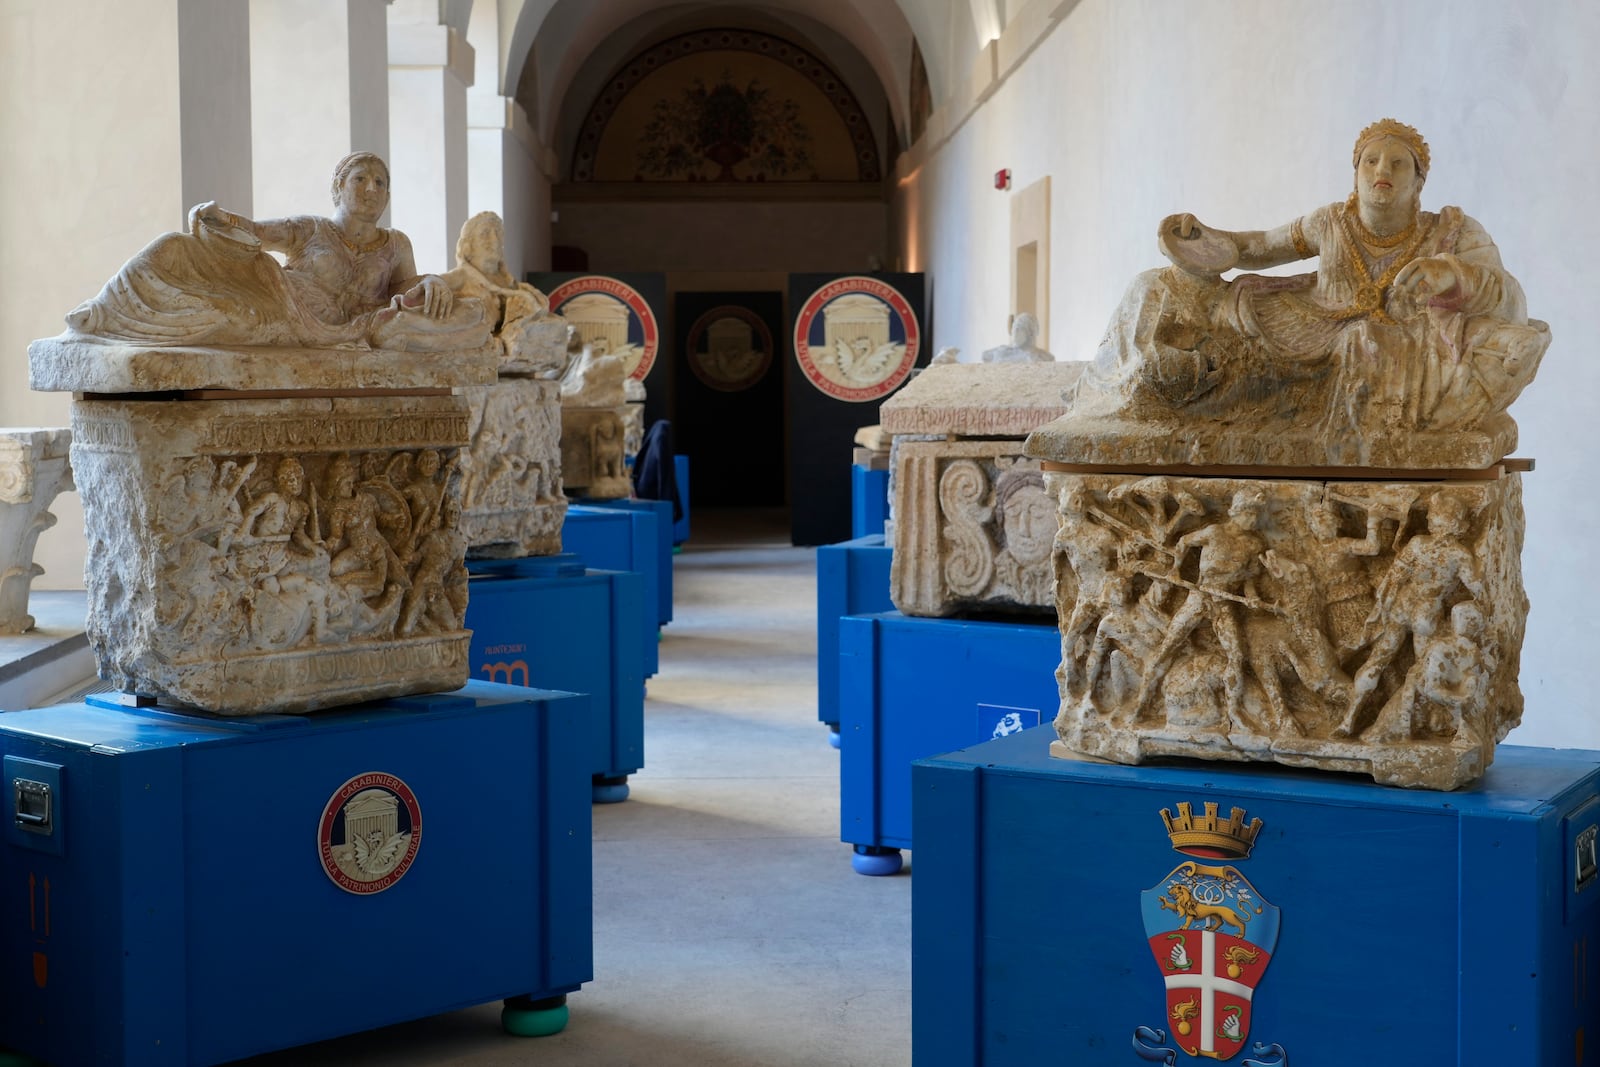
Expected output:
{"points": [[510, 175], [430, 68], [214, 101]]}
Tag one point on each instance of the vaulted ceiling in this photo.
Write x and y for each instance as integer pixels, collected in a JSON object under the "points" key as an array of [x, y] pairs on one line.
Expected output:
{"points": [[556, 54]]}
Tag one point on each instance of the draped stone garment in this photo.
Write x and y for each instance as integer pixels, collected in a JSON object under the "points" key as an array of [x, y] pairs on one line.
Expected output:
{"points": [[218, 288], [1304, 348]]}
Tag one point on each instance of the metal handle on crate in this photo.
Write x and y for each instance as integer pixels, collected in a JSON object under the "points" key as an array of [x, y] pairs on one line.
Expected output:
{"points": [[31, 805], [1586, 863]]}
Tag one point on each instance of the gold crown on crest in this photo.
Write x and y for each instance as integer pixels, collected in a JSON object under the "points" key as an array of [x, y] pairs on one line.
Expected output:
{"points": [[1208, 835]]}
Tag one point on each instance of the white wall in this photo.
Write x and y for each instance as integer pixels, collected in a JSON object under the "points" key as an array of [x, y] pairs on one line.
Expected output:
{"points": [[1245, 112]]}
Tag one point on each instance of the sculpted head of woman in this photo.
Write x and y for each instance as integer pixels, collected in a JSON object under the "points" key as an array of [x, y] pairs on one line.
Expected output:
{"points": [[367, 163], [1391, 163]]}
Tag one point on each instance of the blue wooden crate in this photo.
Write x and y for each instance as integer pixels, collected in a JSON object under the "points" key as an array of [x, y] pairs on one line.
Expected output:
{"points": [[852, 579], [549, 622], [616, 539], [1386, 926], [653, 550], [175, 908], [914, 687], [869, 500]]}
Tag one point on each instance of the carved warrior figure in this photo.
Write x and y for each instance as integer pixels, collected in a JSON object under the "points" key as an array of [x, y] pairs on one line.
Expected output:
{"points": [[347, 282], [1409, 324]]}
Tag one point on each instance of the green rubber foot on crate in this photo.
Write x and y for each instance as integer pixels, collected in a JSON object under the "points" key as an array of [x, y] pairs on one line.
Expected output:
{"points": [[525, 1017]]}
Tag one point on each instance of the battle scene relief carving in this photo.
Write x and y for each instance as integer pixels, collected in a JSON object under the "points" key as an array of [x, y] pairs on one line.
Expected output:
{"points": [[1369, 626]]}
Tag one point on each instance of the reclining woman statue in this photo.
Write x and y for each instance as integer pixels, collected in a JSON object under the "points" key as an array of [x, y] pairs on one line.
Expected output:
{"points": [[347, 282], [1410, 323]]}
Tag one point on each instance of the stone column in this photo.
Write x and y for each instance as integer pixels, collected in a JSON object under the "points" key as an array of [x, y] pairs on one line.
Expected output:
{"points": [[430, 68], [319, 89]]}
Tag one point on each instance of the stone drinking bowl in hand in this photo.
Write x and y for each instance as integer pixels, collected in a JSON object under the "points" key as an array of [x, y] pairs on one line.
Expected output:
{"points": [[1204, 252]]}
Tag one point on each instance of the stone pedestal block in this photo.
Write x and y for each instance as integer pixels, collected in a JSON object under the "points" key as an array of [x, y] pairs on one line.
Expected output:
{"points": [[271, 555], [511, 487], [33, 470], [1368, 626], [591, 453]]}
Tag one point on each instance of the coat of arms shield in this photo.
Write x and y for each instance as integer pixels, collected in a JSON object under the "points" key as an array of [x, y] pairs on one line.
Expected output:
{"points": [[1212, 936]]}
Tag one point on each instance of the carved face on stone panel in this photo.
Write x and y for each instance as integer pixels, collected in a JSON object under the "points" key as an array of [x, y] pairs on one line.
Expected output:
{"points": [[1447, 517], [290, 477], [342, 478], [1027, 515]]}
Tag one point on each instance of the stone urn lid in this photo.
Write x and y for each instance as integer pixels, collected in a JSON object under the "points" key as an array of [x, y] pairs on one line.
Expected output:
{"points": [[981, 399], [76, 363]]}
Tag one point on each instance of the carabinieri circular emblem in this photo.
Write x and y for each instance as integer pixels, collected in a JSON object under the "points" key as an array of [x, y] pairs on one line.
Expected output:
{"points": [[730, 348], [370, 832], [856, 339], [612, 317]]}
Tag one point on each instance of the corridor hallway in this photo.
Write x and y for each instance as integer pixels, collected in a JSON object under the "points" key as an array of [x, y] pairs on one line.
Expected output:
{"points": [[729, 929]]}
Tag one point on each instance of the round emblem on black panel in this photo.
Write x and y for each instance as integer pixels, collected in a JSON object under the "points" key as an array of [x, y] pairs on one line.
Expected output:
{"points": [[730, 348], [856, 339], [611, 317], [370, 832]]}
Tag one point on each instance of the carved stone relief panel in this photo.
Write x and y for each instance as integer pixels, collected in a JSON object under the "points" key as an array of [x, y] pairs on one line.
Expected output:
{"points": [[973, 529], [511, 474], [33, 470], [1361, 626], [249, 556], [591, 453]]}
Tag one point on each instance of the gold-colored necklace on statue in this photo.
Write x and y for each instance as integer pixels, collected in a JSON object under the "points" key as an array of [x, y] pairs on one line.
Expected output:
{"points": [[361, 249], [1370, 292], [1372, 240]]}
